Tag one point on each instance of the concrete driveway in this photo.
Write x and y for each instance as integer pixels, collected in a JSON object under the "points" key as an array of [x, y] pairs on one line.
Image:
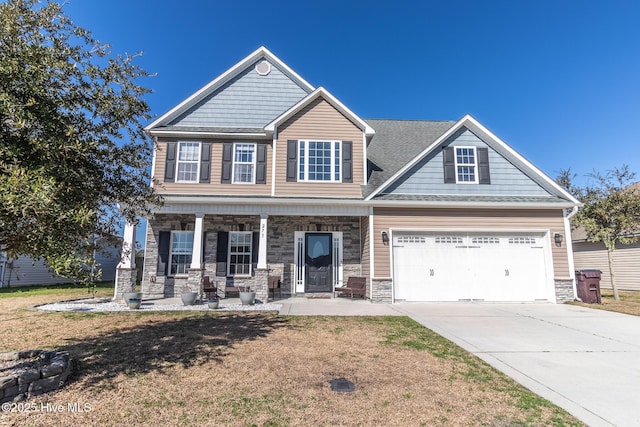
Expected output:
{"points": [[585, 360]]}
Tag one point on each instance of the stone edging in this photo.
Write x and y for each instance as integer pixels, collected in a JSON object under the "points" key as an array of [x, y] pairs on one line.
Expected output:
{"points": [[49, 373]]}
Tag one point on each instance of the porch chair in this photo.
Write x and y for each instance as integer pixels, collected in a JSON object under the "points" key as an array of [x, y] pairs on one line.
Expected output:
{"points": [[209, 289], [356, 286], [274, 285]]}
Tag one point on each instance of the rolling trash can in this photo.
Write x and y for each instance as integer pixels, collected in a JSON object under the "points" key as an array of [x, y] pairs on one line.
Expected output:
{"points": [[588, 286]]}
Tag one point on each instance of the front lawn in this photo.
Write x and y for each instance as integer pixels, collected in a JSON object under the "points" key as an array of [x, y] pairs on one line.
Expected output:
{"points": [[209, 368]]}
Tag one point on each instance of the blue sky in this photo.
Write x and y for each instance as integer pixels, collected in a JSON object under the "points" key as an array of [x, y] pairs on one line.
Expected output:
{"points": [[557, 80]]}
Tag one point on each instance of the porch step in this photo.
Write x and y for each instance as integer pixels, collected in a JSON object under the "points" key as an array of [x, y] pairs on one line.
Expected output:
{"points": [[318, 295]]}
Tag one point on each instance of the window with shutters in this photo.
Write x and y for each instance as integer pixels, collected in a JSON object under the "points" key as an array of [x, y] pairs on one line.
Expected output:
{"points": [[466, 165], [181, 250], [319, 161], [239, 263], [188, 162], [244, 163]]}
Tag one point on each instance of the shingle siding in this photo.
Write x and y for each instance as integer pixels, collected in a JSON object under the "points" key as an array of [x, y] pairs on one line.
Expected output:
{"points": [[427, 177], [247, 101]]}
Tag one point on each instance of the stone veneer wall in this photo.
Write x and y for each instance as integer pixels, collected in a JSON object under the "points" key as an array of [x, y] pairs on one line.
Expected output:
{"points": [[564, 291], [50, 374], [280, 250]]}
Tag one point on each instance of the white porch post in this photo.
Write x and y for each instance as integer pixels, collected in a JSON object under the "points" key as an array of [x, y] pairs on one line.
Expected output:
{"points": [[198, 234], [125, 279], [262, 245], [128, 258]]}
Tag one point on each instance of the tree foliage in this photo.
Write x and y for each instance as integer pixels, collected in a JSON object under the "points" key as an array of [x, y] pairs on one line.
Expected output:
{"points": [[611, 211], [74, 156]]}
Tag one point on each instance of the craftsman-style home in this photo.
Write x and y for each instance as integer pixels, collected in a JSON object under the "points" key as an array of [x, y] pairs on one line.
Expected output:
{"points": [[265, 175]]}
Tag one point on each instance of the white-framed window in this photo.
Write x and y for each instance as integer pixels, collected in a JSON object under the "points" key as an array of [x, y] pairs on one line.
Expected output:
{"points": [[188, 162], [181, 250], [466, 165], [244, 163], [239, 263], [319, 161]]}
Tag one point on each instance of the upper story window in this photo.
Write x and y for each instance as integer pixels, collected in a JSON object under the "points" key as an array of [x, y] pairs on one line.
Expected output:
{"points": [[319, 161], [188, 161], [466, 165], [244, 163]]}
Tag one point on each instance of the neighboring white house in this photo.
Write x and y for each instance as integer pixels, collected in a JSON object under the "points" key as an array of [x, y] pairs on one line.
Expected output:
{"points": [[26, 271]]}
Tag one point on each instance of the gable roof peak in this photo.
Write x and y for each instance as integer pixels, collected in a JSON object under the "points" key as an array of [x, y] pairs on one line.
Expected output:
{"points": [[261, 52], [321, 92], [469, 122]]}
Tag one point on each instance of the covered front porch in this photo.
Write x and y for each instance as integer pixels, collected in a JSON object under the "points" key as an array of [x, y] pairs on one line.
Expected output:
{"points": [[310, 254]]}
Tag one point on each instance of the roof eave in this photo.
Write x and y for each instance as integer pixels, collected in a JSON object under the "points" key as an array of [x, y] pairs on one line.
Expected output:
{"points": [[207, 134], [474, 204]]}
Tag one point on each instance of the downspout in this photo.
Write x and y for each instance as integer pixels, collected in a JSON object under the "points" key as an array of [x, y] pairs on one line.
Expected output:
{"points": [[567, 232]]}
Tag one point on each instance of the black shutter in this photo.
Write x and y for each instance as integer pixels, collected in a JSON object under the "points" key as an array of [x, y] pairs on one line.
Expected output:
{"points": [[347, 161], [205, 162], [221, 253], [261, 164], [292, 159], [255, 242], [170, 164], [164, 240], [204, 247], [484, 176], [449, 165], [227, 162]]}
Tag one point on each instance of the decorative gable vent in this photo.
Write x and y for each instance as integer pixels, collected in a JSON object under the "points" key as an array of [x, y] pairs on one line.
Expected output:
{"points": [[263, 68]]}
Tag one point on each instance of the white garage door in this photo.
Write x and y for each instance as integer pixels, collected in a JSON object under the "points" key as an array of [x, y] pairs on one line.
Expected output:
{"points": [[469, 267]]}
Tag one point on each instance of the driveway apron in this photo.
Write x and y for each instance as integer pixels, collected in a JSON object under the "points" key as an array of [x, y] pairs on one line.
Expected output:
{"points": [[586, 361]]}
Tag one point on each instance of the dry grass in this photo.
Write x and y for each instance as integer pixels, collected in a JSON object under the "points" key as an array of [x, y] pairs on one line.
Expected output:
{"points": [[629, 302], [264, 370]]}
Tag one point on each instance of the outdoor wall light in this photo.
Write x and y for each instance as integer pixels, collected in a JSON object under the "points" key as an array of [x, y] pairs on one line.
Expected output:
{"points": [[557, 237], [385, 238]]}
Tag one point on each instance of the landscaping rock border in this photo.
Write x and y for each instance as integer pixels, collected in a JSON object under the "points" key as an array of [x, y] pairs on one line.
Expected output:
{"points": [[46, 373]]}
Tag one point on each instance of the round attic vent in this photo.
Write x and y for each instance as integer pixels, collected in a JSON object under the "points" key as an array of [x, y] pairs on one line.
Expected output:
{"points": [[263, 68]]}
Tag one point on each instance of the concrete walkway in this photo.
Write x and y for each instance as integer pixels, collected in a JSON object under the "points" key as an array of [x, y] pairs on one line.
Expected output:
{"points": [[586, 361], [300, 306]]}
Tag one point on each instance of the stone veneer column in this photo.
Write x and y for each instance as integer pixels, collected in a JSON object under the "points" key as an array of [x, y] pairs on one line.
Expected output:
{"points": [[125, 281], [381, 290], [564, 291], [194, 282], [260, 284]]}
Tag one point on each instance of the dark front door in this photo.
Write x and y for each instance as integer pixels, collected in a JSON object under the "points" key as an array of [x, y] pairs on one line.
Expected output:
{"points": [[318, 259]]}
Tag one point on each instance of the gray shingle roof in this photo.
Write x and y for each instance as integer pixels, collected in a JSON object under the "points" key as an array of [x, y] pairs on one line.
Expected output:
{"points": [[396, 143]]}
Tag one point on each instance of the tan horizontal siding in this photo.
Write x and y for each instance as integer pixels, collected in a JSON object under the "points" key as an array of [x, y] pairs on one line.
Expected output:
{"points": [[319, 121], [626, 263], [364, 238], [410, 218], [215, 187]]}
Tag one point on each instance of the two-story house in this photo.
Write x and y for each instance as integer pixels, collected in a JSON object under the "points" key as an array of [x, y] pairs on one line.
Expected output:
{"points": [[264, 174]]}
